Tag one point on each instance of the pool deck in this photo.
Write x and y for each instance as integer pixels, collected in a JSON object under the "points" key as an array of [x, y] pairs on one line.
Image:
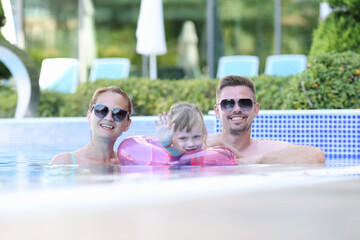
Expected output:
{"points": [[242, 202]]}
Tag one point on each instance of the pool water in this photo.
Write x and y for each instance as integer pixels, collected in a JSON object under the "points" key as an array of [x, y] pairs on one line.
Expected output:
{"points": [[27, 146], [28, 168]]}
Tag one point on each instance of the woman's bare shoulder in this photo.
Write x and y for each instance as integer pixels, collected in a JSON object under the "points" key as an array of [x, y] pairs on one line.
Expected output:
{"points": [[62, 158]]}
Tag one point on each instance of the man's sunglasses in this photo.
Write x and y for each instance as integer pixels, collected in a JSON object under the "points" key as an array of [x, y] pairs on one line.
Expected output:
{"points": [[244, 103], [118, 114]]}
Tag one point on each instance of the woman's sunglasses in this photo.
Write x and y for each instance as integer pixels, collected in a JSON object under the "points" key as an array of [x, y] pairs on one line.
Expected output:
{"points": [[118, 114], [244, 103]]}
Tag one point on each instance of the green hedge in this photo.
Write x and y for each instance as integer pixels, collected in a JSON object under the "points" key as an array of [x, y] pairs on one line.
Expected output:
{"points": [[331, 81], [148, 97], [271, 91], [8, 102]]}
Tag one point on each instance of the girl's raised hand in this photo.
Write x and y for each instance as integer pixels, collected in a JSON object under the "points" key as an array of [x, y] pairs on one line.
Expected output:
{"points": [[164, 129]]}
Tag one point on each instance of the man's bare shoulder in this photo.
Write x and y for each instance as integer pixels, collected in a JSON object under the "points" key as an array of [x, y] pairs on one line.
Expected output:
{"points": [[259, 146], [263, 146], [285, 152], [274, 144], [62, 158]]}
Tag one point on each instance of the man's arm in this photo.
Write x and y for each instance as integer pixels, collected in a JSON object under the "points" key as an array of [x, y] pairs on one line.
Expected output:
{"points": [[293, 154], [271, 151]]}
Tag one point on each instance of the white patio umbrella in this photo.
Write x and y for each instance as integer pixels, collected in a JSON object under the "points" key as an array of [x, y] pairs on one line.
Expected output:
{"points": [[188, 54], [150, 33]]}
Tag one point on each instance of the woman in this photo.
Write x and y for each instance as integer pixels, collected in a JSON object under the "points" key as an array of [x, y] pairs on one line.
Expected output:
{"points": [[108, 116]]}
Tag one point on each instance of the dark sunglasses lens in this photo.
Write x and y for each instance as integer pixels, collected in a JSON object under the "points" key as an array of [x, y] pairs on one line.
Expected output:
{"points": [[119, 114], [227, 104], [101, 111], [245, 104]]}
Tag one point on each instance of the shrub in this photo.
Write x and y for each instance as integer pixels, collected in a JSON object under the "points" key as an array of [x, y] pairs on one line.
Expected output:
{"points": [[350, 6], [148, 97], [51, 103], [330, 82], [8, 102], [271, 91], [339, 32]]}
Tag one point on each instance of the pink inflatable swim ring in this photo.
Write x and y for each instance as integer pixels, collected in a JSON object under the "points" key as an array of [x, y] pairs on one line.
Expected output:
{"points": [[144, 150]]}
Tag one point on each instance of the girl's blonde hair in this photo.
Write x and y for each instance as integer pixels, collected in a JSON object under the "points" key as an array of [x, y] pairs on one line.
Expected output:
{"points": [[186, 116]]}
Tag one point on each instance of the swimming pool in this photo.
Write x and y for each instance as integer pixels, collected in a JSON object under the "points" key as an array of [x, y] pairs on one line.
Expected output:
{"points": [[28, 144], [104, 198]]}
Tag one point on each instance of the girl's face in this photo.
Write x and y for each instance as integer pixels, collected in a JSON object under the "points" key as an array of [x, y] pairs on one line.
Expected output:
{"points": [[189, 141], [107, 126]]}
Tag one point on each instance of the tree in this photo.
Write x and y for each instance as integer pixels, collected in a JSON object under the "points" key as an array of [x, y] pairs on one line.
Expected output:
{"points": [[340, 31]]}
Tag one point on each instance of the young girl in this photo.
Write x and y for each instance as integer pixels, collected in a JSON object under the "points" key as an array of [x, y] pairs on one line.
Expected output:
{"points": [[182, 130], [108, 116], [181, 141]]}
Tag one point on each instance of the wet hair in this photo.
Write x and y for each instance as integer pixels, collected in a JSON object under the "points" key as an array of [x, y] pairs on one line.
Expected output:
{"points": [[112, 89], [234, 81], [187, 116]]}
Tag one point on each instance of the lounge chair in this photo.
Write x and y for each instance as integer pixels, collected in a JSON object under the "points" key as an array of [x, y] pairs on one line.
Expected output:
{"points": [[242, 65], [285, 64], [59, 74], [109, 68]]}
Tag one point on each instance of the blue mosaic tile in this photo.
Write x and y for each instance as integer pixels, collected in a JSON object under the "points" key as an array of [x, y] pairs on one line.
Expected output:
{"points": [[335, 131]]}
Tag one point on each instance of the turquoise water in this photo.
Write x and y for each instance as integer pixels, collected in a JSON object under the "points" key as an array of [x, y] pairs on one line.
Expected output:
{"points": [[29, 169], [27, 145]]}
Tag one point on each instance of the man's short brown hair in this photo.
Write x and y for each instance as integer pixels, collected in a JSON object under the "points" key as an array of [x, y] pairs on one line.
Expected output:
{"points": [[233, 81]]}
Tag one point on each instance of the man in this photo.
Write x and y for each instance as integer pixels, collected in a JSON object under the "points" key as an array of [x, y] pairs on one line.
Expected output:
{"points": [[236, 107]]}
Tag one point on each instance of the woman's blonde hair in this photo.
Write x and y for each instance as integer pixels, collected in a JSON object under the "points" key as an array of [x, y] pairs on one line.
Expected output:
{"points": [[186, 116]]}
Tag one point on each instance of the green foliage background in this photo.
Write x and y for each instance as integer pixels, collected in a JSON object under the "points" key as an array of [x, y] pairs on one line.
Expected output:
{"points": [[340, 31], [242, 27], [331, 81], [8, 102], [352, 6], [2, 18], [148, 97]]}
